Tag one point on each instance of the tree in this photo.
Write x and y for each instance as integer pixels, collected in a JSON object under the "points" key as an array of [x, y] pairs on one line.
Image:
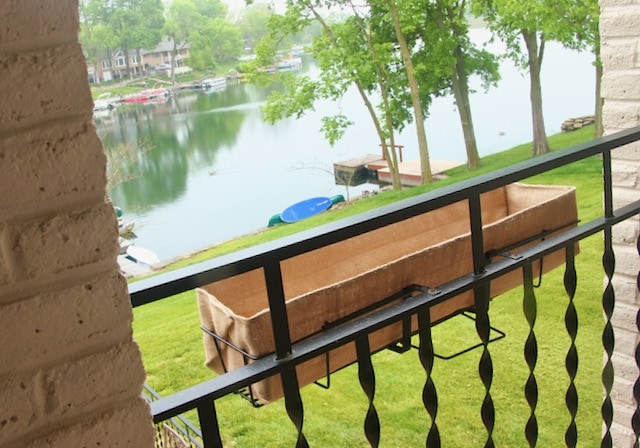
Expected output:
{"points": [[414, 89], [203, 24], [534, 23], [217, 40], [433, 38], [128, 25], [405, 55], [451, 21], [148, 34], [346, 54], [253, 22], [591, 26], [96, 36], [180, 18]]}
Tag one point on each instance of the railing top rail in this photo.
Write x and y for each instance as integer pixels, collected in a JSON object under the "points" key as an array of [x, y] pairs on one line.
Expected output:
{"points": [[191, 277]]}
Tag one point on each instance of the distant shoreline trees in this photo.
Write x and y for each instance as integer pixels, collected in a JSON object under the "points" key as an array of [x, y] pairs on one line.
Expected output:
{"points": [[127, 25], [136, 25]]}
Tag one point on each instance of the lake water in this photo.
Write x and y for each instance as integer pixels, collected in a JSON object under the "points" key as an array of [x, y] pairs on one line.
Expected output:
{"points": [[215, 170]]}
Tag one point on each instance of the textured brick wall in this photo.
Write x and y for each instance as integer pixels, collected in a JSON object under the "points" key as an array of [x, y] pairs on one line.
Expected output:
{"points": [[70, 374], [620, 31]]}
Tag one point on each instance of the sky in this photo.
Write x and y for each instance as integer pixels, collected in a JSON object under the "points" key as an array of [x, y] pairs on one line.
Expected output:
{"points": [[237, 5]]}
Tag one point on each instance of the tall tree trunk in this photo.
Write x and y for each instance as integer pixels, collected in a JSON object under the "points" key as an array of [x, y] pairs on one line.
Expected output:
{"points": [[540, 142], [461, 93], [459, 79], [388, 151], [98, 69], [599, 100], [174, 52], [389, 156], [127, 63], [143, 72], [425, 163]]}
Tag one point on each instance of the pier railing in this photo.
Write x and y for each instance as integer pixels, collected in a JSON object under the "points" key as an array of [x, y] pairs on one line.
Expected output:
{"points": [[288, 355]]}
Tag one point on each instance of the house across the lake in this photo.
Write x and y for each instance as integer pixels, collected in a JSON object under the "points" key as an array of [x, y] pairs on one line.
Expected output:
{"points": [[114, 66]]}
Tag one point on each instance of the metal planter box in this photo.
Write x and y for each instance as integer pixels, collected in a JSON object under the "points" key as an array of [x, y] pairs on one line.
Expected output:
{"points": [[336, 281]]}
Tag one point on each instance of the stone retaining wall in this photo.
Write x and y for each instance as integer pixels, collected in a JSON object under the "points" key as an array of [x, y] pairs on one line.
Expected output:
{"points": [[571, 124]]}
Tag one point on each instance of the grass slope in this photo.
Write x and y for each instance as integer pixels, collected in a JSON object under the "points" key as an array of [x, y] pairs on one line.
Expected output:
{"points": [[171, 343]]}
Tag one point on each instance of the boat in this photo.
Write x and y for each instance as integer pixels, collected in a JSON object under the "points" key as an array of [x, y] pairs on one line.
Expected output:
{"points": [[290, 65], [305, 209], [217, 83], [374, 270], [142, 255], [135, 261], [147, 95], [104, 102]]}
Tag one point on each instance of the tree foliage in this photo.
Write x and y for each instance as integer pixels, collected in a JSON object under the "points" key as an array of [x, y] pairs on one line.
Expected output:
{"points": [[96, 35], [399, 55], [253, 22], [204, 25], [134, 25], [526, 27], [217, 40], [449, 17], [128, 25], [347, 53]]}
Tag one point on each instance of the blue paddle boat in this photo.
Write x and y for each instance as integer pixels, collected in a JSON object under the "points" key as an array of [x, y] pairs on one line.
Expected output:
{"points": [[305, 209]]}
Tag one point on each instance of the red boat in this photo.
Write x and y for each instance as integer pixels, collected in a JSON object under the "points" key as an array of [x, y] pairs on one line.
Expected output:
{"points": [[147, 95]]}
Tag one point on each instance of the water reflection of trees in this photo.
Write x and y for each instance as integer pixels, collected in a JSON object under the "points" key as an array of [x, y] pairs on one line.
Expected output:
{"points": [[185, 134]]}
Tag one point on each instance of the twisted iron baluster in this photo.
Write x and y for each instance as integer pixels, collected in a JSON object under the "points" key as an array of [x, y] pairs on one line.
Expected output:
{"points": [[608, 302], [530, 355], [485, 367], [608, 338], [427, 358], [483, 328], [635, 420], [282, 339], [293, 404], [571, 361], [368, 383]]}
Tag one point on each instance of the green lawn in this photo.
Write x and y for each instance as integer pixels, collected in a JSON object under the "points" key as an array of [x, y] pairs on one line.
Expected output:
{"points": [[171, 342]]}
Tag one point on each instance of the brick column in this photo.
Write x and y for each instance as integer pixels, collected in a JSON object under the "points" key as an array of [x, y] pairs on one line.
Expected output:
{"points": [[70, 373], [620, 33]]}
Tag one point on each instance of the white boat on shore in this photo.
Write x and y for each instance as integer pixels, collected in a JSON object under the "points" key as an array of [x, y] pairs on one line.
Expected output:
{"points": [[290, 64], [142, 255], [217, 83], [104, 102]]}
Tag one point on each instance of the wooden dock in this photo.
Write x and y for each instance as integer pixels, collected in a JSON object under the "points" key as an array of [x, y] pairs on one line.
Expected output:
{"points": [[374, 169], [355, 171]]}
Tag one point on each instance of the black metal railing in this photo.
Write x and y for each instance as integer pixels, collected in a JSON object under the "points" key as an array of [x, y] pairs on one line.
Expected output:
{"points": [[288, 355], [176, 432]]}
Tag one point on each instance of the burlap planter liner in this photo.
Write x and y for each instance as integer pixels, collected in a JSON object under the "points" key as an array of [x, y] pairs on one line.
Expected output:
{"points": [[337, 280]]}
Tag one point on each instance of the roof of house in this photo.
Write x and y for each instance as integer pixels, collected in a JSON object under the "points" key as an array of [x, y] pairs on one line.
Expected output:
{"points": [[166, 45]]}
